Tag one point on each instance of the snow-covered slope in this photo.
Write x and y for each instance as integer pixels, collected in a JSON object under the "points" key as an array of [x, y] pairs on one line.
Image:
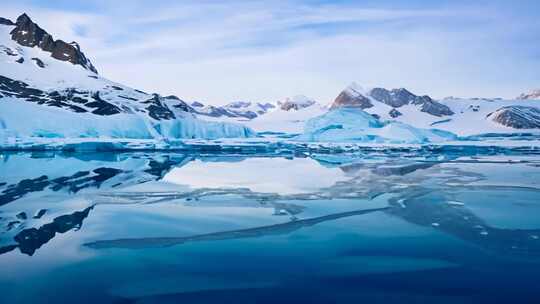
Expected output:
{"points": [[352, 124], [297, 102], [236, 111], [289, 116], [460, 116], [43, 96]]}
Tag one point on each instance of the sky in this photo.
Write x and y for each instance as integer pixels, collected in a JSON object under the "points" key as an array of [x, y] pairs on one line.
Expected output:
{"points": [[222, 51]]}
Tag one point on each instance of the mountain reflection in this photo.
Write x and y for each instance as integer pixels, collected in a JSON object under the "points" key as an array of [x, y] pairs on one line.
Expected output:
{"points": [[421, 191]]}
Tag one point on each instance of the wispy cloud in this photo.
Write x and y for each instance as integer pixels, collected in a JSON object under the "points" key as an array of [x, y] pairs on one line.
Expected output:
{"points": [[217, 52]]}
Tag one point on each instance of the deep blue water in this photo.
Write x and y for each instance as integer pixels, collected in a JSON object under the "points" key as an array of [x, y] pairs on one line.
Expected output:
{"points": [[215, 228]]}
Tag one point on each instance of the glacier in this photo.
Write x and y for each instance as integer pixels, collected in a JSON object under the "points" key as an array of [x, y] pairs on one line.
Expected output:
{"points": [[28, 120], [355, 125]]}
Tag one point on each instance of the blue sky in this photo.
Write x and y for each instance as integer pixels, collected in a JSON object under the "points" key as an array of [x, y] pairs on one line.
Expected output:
{"points": [[217, 51]]}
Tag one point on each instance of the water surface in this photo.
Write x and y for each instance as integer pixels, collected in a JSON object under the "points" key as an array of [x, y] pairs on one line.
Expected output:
{"points": [[217, 228]]}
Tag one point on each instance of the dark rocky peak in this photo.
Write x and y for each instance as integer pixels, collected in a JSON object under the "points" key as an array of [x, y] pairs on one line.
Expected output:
{"points": [[399, 97], [197, 104], [266, 106], [534, 94], [5, 21], [173, 97], [353, 97], [27, 33], [238, 104]]}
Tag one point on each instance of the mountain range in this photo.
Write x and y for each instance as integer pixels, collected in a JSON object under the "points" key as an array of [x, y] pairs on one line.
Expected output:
{"points": [[50, 89]]}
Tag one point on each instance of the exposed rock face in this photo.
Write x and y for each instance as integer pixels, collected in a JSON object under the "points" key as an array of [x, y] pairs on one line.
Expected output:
{"points": [[434, 108], [394, 98], [29, 34], [394, 113], [70, 99], [519, 117], [38, 62], [399, 97], [296, 103], [5, 21], [157, 109], [238, 109], [534, 94], [352, 97]]}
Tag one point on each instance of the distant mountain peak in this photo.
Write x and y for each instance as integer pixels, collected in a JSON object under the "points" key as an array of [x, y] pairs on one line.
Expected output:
{"points": [[296, 102], [358, 97], [27, 33], [534, 94], [354, 89]]}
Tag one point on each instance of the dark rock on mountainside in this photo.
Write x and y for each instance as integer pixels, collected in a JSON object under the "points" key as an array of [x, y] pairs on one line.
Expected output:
{"points": [[288, 105], [197, 104], [38, 62], [157, 109], [399, 97], [349, 99], [435, 108], [101, 107], [27, 33], [5, 21], [519, 117], [534, 94], [394, 113], [70, 99], [394, 98], [183, 106], [237, 109]]}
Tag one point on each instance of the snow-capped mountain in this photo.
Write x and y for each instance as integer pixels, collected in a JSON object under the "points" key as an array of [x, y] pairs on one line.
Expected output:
{"points": [[49, 88], [534, 94], [239, 110], [355, 96], [286, 115], [289, 115], [244, 110], [297, 102], [460, 116]]}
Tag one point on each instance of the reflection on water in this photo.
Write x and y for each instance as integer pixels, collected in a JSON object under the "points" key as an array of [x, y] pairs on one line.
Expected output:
{"points": [[206, 228]]}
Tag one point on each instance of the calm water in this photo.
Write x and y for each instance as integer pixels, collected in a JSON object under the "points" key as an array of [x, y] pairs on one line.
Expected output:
{"points": [[181, 228]]}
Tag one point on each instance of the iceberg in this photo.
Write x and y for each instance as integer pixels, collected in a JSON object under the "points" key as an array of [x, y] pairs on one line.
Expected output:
{"points": [[355, 125]]}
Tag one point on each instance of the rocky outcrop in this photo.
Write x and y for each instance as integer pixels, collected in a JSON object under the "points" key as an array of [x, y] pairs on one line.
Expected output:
{"points": [[534, 94], [394, 98], [157, 109], [295, 103], [351, 97], [237, 109], [4, 21], [27, 33], [394, 113], [399, 97], [518, 117], [436, 109]]}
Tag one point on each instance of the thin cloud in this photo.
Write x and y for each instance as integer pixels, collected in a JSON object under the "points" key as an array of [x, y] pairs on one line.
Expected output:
{"points": [[217, 52]]}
